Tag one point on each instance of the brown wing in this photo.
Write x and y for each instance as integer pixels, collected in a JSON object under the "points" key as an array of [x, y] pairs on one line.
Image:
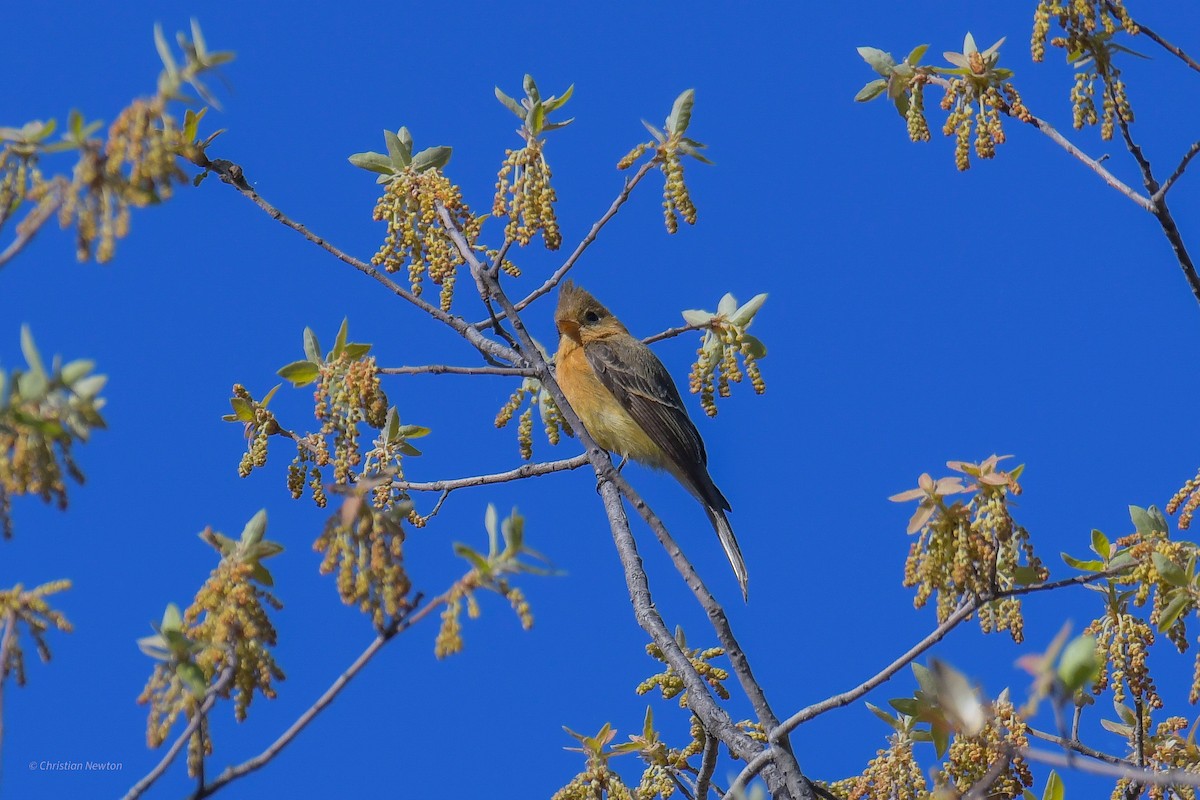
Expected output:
{"points": [[644, 388]]}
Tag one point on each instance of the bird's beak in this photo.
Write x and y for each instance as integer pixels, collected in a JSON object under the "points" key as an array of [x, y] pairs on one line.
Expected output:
{"points": [[567, 327]]}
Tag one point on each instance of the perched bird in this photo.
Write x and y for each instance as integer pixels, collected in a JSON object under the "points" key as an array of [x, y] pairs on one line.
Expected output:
{"points": [[627, 401]]}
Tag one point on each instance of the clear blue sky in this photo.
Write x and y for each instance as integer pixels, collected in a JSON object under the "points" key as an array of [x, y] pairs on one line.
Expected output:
{"points": [[916, 315]]}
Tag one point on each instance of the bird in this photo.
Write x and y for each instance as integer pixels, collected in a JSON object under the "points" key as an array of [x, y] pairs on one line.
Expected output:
{"points": [[626, 400]]}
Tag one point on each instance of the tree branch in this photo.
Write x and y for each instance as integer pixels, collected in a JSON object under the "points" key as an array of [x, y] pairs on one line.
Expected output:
{"points": [[523, 471], [1183, 163], [262, 759], [1167, 777], [446, 369], [673, 332], [193, 725], [233, 175], [583, 245], [1158, 202], [708, 765], [1077, 746]]}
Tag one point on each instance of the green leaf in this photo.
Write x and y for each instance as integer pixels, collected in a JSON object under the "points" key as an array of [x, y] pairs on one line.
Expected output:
{"points": [[536, 119], [339, 342], [412, 431], [879, 61], [1054, 787], [905, 705], [164, 51], [1101, 545], [299, 373], [400, 155], [555, 103], [655, 132], [969, 44], [924, 677], [1090, 565], [356, 350], [89, 387], [30, 351], [431, 158], [914, 57], [473, 558], [407, 449], [1079, 664], [261, 574], [753, 346], [1119, 730], [172, 619], [941, 738], [32, 386], [255, 528], [531, 88], [1142, 520], [1122, 560], [696, 317], [1180, 600], [681, 111], [727, 305], [192, 677], [312, 347], [510, 104], [490, 519], [373, 162], [745, 314], [1171, 572], [75, 370], [883, 715], [243, 410], [871, 90]]}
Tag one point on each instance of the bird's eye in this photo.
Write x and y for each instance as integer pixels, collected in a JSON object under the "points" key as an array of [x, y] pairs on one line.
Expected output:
{"points": [[592, 316]]}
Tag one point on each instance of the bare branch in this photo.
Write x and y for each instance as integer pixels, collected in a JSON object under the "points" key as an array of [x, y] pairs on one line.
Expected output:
{"points": [[523, 471], [1159, 202], [583, 245], [233, 175], [446, 369], [1166, 777], [1183, 163], [1045, 127], [673, 332], [193, 725], [262, 759], [1078, 747]]}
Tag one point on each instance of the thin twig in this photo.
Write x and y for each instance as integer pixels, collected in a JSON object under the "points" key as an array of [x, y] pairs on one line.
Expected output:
{"points": [[1078, 747], [583, 245], [28, 227], [523, 471], [1145, 203], [1159, 203], [234, 175], [193, 725], [1167, 777], [262, 759], [446, 369], [672, 332], [1183, 163]]}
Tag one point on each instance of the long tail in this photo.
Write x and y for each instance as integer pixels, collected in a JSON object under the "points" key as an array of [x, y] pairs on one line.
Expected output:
{"points": [[728, 541]]}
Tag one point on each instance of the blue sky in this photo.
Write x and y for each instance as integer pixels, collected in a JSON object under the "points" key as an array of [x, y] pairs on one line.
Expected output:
{"points": [[916, 315]]}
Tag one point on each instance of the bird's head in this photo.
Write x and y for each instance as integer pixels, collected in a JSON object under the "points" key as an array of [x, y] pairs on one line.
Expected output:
{"points": [[580, 315]]}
